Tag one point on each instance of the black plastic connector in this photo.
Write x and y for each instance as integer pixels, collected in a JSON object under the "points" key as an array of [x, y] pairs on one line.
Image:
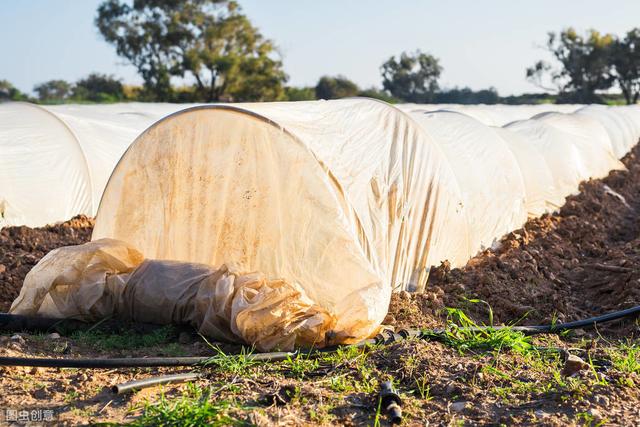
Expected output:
{"points": [[390, 402]]}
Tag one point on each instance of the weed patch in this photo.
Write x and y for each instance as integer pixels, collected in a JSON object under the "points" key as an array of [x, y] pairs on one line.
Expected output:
{"points": [[194, 408], [464, 335], [240, 364]]}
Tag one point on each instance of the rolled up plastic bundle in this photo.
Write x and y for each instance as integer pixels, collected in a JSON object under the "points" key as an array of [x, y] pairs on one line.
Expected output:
{"points": [[110, 278]]}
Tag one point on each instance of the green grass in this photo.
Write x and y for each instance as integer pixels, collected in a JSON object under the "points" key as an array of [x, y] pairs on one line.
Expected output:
{"points": [[341, 384], [376, 421], [465, 335], [537, 373], [300, 365], [588, 420], [537, 376], [366, 379], [422, 387], [321, 414], [344, 355], [196, 407], [240, 364], [126, 340], [626, 358]]}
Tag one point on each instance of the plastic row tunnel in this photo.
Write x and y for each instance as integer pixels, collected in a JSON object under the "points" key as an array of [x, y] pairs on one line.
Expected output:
{"points": [[349, 199], [55, 160]]}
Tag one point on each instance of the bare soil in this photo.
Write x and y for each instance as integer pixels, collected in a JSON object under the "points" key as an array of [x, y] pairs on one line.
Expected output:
{"points": [[582, 261]]}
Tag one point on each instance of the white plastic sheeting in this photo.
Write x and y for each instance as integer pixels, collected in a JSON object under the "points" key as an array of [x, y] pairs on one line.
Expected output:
{"points": [[619, 123], [492, 115], [55, 166], [570, 159], [487, 172], [43, 171], [105, 131], [540, 192], [55, 160]]}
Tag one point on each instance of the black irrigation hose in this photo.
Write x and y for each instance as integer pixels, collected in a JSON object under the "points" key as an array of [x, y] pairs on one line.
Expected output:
{"points": [[383, 338], [131, 362], [388, 337], [132, 386], [591, 322], [555, 328]]}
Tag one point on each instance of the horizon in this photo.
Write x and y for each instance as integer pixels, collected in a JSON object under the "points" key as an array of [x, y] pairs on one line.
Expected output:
{"points": [[473, 54]]}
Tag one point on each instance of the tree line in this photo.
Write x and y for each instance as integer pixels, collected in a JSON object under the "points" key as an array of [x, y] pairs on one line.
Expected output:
{"points": [[584, 67], [209, 51], [93, 88]]}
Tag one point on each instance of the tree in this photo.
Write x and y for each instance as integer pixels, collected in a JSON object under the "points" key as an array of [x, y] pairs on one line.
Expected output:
{"points": [[98, 88], [305, 93], [584, 66], [8, 92], [625, 57], [335, 88], [376, 93], [411, 78], [466, 95], [53, 90], [208, 41]]}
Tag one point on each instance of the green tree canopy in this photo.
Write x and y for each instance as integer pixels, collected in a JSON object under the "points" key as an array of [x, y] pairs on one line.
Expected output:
{"points": [[335, 88], [625, 57], [376, 93], [305, 93], [99, 88], [412, 77], [53, 90], [466, 95], [583, 65], [8, 92], [209, 42]]}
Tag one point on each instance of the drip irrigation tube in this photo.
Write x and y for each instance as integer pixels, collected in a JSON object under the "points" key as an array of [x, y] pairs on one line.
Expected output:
{"points": [[578, 324], [132, 386], [130, 362], [388, 337], [382, 338]]}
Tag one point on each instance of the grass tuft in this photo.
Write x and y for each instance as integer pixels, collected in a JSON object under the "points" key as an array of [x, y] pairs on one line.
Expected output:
{"points": [[240, 364], [626, 358], [194, 408], [300, 365], [464, 335]]}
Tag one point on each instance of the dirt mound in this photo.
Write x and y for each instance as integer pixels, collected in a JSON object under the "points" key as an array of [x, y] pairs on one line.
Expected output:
{"points": [[22, 247], [582, 261]]}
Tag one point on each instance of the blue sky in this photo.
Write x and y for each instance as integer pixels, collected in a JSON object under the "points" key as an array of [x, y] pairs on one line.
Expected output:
{"points": [[480, 43]]}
